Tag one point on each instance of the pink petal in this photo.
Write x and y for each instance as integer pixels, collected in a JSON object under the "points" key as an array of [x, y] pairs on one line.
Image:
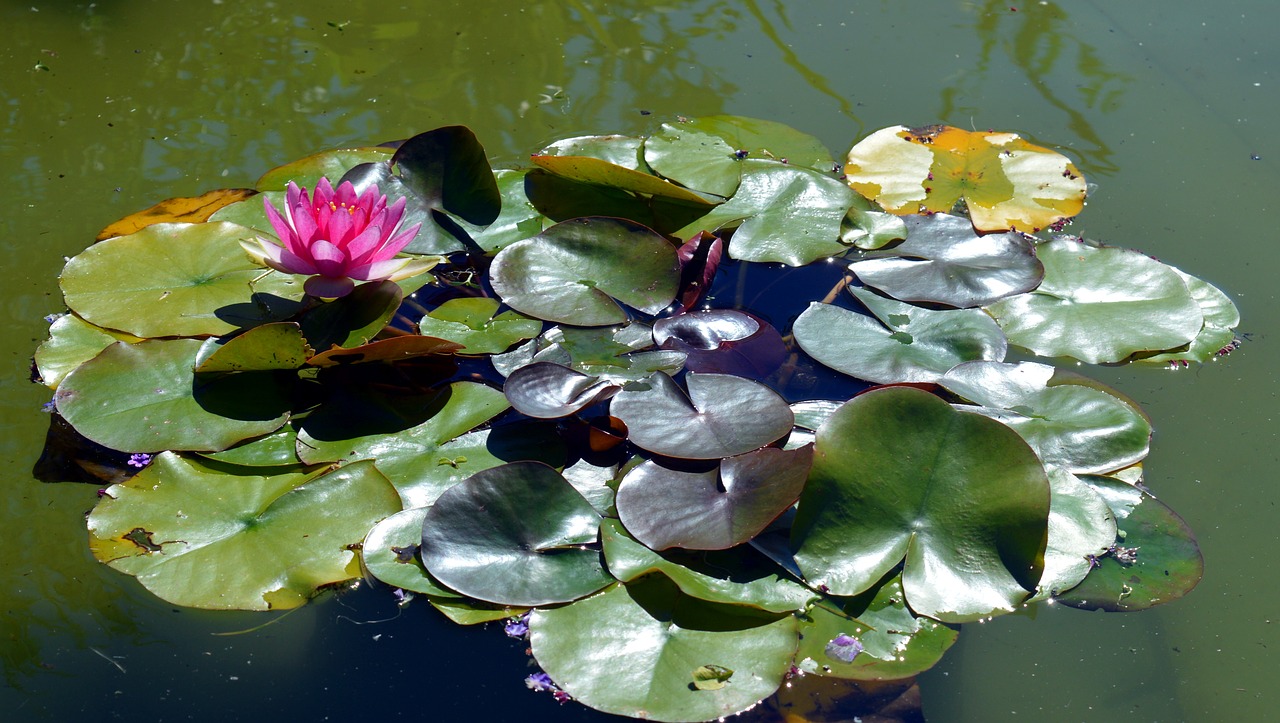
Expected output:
{"points": [[293, 196], [282, 228], [339, 230], [291, 263], [399, 241], [346, 195], [366, 247], [328, 288], [329, 259], [378, 270], [323, 192], [394, 213], [305, 225]]}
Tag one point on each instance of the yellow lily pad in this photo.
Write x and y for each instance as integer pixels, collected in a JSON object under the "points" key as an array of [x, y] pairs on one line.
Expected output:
{"points": [[1006, 182]]}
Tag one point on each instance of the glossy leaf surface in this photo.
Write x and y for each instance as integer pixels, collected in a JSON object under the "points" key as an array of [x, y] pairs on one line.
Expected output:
{"points": [[943, 261], [213, 537], [515, 535], [576, 272], [722, 416], [1100, 305], [896, 473], [712, 510], [176, 280], [656, 639]]}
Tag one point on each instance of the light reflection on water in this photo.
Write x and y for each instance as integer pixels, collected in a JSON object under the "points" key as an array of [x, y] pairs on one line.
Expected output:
{"points": [[111, 106]]}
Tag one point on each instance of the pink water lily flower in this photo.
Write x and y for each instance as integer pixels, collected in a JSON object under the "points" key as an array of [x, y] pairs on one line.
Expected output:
{"points": [[338, 238]]}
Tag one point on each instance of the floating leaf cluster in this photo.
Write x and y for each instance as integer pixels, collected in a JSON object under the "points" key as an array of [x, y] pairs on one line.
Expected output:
{"points": [[712, 408]]}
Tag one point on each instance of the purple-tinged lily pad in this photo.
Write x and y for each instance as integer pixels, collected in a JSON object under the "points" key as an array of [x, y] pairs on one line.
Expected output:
{"points": [[723, 341], [722, 416], [548, 391], [715, 509]]}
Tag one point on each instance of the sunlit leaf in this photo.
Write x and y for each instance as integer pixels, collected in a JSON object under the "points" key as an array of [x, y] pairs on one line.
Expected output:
{"points": [[1155, 559], [146, 397], [907, 344], [943, 261], [1081, 528], [724, 341], [177, 280], [578, 271], [897, 474], [547, 391], [1006, 182], [1217, 337], [1078, 428], [514, 535], [1100, 304], [764, 139], [781, 213], [722, 416], [390, 553], [694, 159], [655, 639], [471, 322], [221, 538], [714, 509], [72, 341], [612, 161], [262, 348]]}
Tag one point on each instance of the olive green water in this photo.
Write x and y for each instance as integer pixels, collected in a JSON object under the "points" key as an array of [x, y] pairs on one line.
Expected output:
{"points": [[1167, 106]]}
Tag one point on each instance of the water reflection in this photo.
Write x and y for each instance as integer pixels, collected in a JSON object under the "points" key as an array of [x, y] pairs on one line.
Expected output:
{"points": [[1038, 39]]}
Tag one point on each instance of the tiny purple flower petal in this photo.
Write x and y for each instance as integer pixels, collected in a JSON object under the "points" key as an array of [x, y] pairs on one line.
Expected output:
{"points": [[140, 460], [843, 648], [540, 682], [518, 627]]}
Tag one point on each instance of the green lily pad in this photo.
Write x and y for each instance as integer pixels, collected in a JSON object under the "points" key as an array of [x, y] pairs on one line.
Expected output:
{"points": [[641, 663], [306, 172], [715, 509], [694, 159], [423, 459], [907, 344], [353, 319], [783, 214], [1006, 182], [895, 643], [1074, 427], [725, 577], [145, 397], [72, 341], [722, 416], [898, 473], [1100, 305], [1155, 559], [177, 279], [573, 272], [514, 535], [211, 536], [390, 553], [614, 353], [1081, 528], [612, 161], [1217, 337], [519, 218], [943, 261], [868, 228], [251, 213], [764, 139], [277, 449], [471, 321], [262, 348]]}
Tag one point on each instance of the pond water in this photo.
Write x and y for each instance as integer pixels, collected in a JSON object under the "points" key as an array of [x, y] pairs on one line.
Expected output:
{"points": [[1167, 107]]}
